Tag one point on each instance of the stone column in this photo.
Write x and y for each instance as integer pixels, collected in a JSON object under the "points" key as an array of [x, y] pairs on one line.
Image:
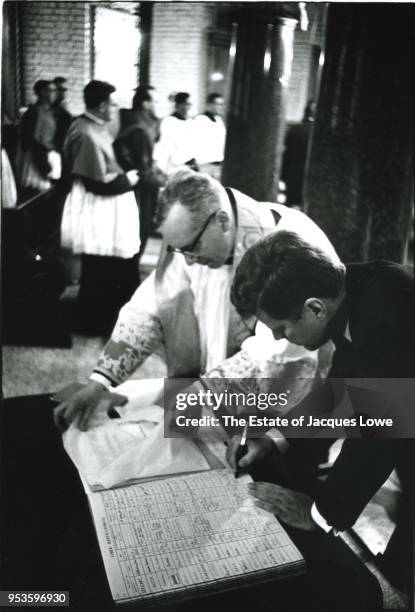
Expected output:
{"points": [[10, 61], [257, 108], [146, 17], [358, 184]]}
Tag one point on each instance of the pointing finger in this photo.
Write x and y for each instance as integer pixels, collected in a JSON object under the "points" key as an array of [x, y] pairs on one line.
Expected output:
{"points": [[83, 418], [265, 506], [59, 416]]}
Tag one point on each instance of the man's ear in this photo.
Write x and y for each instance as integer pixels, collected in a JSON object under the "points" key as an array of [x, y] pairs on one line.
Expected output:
{"points": [[316, 307], [101, 107], [222, 218]]}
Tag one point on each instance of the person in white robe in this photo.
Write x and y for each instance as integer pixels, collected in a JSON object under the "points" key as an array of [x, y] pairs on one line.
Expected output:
{"points": [[100, 218], [210, 133], [8, 183], [176, 146]]}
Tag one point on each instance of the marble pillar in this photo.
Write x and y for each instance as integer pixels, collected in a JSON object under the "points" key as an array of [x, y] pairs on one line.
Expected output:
{"points": [[360, 172], [257, 108]]}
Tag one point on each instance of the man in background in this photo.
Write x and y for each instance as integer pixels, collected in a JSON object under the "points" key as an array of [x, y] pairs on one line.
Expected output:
{"points": [[139, 130], [40, 161], [100, 218], [295, 156], [210, 133], [63, 116], [177, 146], [40, 169]]}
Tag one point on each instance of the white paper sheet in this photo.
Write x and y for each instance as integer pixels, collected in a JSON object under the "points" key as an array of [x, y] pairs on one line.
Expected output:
{"points": [[115, 451]]}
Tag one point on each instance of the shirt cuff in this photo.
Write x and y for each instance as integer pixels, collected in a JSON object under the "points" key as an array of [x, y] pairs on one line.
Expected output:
{"points": [[321, 521], [101, 379], [276, 436]]}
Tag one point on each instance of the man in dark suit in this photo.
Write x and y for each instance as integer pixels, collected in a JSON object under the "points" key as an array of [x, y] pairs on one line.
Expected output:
{"points": [[62, 115], [295, 156], [134, 151], [367, 310]]}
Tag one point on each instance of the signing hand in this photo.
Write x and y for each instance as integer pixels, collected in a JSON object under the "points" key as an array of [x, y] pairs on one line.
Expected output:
{"points": [[258, 448], [292, 507]]}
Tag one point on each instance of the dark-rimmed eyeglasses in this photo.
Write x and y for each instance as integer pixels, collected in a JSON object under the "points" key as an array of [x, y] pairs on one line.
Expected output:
{"points": [[189, 248]]}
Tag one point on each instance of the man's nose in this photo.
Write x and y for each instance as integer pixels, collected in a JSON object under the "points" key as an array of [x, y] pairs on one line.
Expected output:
{"points": [[278, 335], [190, 259]]}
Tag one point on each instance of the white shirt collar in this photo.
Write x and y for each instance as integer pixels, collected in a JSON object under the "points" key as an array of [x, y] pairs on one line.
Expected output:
{"points": [[94, 118]]}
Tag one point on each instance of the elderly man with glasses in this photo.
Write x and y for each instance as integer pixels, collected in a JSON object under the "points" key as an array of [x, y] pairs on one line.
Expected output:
{"points": [[185, 304]]}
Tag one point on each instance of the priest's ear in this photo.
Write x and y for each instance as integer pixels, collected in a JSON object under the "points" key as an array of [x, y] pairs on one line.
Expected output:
{"points": [[223, 220]]}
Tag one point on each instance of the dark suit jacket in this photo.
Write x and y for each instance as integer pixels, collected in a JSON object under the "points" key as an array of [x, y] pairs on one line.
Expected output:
{"points": [[294, 161], [379, 309], [63, 121], [134, 144], [29, 142]]}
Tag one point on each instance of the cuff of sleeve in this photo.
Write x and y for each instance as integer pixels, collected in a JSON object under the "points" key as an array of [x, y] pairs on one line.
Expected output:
{"points": [[276, 436], [321, 521], [101, 379]]}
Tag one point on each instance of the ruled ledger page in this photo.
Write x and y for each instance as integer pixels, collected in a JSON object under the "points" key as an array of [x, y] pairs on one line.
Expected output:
{"points": [[184, 532]]}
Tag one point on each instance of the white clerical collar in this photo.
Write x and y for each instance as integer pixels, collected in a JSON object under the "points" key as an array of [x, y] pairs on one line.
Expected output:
{"points": [[94, 118], [347, 332]]}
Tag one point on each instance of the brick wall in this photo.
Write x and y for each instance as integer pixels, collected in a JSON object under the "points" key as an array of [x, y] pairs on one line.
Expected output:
{"points": [[55, 38], [179, 52]]}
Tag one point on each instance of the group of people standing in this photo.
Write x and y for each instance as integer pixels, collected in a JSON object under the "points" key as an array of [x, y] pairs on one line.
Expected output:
{"points": [[34, 276], [105, 190], [113, 188], [38, 163], [198, 143]]}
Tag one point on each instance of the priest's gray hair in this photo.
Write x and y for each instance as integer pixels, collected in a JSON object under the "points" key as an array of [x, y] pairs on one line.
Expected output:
{"points": [[197, 192]]}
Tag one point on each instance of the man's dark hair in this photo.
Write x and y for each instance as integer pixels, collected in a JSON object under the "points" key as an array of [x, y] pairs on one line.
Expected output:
{"points": [[212, 97], [59, 81], [279, 273], [40, 85], [142, 94], [97, 92], [181, 97]]}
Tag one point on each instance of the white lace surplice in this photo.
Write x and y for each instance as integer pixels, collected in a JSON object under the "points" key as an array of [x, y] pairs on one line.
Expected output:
{"points": [[100, 225]]}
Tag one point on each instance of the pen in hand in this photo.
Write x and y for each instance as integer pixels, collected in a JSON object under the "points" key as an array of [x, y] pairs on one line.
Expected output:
{"points": [[241, 451]]}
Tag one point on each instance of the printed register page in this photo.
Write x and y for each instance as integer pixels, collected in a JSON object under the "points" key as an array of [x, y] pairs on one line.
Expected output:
{"points": [[202, 533]]}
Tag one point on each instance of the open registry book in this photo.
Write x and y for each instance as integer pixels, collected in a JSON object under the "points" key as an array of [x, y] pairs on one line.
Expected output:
{"points": [[185, 536], [177, 537]]}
